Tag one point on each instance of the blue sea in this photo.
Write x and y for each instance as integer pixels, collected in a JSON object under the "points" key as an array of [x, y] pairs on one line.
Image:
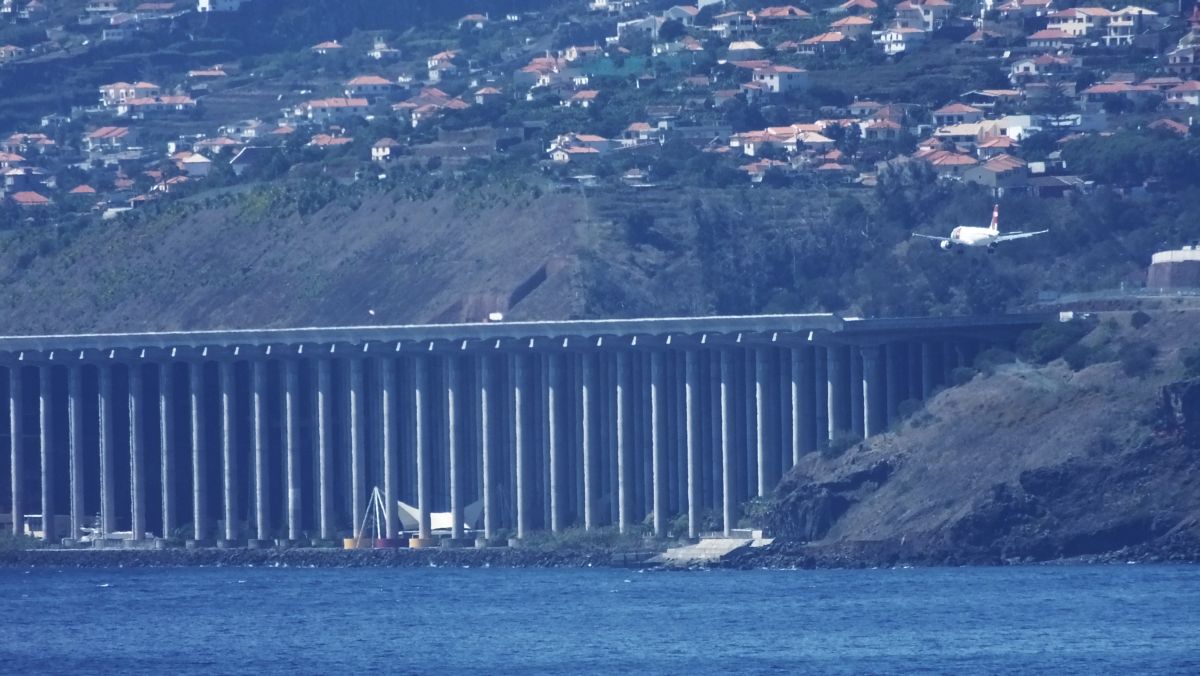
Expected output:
{"points": [[1084, 620]]}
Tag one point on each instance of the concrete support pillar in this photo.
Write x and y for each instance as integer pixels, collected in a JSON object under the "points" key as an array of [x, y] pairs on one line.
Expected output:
{"points": [[893, 384], [196, 408], [356, 405], [454, 446], [557, 487], [108, 488], [166, 446], [927, 369], [16, 466], [624, 457], [75, 446], [836, 376], [912, 354], [325, 448], [291, 444], [658, 442], [228, 451], [691, 396], [486, 446], [389, 446], [521, 443], [820, 388], [727, 440], [803, 404], [258, 423], [587, 401], [874, 416], [137, 462], [46, 447], [857, 421], [421, 403], [767, 454]]}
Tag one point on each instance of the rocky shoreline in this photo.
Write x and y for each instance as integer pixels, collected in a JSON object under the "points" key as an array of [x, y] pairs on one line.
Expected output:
{"points": [[782, 555]]}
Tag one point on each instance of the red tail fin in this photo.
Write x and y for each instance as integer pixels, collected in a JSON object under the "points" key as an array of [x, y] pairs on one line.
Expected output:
{"points": [[995, 226]]}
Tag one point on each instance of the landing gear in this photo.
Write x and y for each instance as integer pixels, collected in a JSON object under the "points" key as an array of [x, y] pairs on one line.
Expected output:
{"points": [[991, 249]]}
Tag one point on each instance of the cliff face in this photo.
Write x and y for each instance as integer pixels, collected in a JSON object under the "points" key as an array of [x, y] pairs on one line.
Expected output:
{"points": [[240, 263], [1027, 463]]}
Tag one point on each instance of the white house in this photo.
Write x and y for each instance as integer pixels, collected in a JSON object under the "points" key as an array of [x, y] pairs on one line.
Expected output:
{"points": [[781, 79]]}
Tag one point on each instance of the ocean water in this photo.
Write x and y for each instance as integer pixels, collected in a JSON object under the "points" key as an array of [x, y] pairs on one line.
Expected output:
{"points": [[1085, 620]]}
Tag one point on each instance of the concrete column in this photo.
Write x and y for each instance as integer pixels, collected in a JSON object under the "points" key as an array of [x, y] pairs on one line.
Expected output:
{"points": [[912, 353], [258, 421], [820, 387], [196, 404], [228, 452], [454, 446], [45, 444], [587, 397], [927, 370], [767, 456], [356, 394], [558, 498], [521, 443], [857, 424], [727, 440], [872, 390], [624, 459], [389, 447], [803, 404], [835, 378], [166, 446], [692, 431], [421, 403], [16, 465], [486, 446], [108, 488], [658, 442], [291, 444], [893, 383], [325, 448], [137, 462], [75, 446]]}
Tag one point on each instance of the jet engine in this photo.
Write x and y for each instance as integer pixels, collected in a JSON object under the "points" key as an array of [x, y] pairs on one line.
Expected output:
{"points": [[946, 245]]}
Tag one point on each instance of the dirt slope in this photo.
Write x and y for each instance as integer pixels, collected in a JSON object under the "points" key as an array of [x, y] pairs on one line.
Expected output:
{"points": [[1029, 462], [451, 257]]}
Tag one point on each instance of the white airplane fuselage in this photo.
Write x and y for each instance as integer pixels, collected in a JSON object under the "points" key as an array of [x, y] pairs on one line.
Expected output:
{"points": [[965, 235]]}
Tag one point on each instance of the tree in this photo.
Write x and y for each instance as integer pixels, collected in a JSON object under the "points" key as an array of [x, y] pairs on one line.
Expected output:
{"points": [[671, 30]]}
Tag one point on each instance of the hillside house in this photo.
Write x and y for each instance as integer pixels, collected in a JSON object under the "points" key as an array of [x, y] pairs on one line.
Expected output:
{"points": [[370, 87], [1001, 175], [112, 95], [854, 27], [769, 15], [385, 150], [899, 39], [833, 42], [442, 65], [582, 99], [781, 79], [28, 199], [732, 25], [10, 52], [326, 48], [488, 95], [1186, 95], [1126, 24], [956, 113], [684, 14], [324, 111], [858, 7], [141, 107], [927, 15], [880, 130], [108, 139], [1051, 38], [1080, 22], [219, 5], [1038, 67]]}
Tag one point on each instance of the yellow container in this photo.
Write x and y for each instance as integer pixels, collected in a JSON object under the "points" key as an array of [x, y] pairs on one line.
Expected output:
{"points": [[356, 543]]}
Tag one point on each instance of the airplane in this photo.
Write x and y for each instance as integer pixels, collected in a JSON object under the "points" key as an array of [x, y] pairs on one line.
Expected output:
{"points": [[965, 235]]}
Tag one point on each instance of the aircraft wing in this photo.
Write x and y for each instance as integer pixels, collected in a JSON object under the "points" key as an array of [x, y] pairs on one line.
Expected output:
{"points": [[940, 239], [1019, 235]]}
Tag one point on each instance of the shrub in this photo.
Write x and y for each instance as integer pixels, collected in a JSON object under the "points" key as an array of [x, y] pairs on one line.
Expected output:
{"points": [[963, 375], [1137, 357], [989, 359], [1190, 356], [1139, 319], [1048, 342], [1077, 356], [840, 444]]}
